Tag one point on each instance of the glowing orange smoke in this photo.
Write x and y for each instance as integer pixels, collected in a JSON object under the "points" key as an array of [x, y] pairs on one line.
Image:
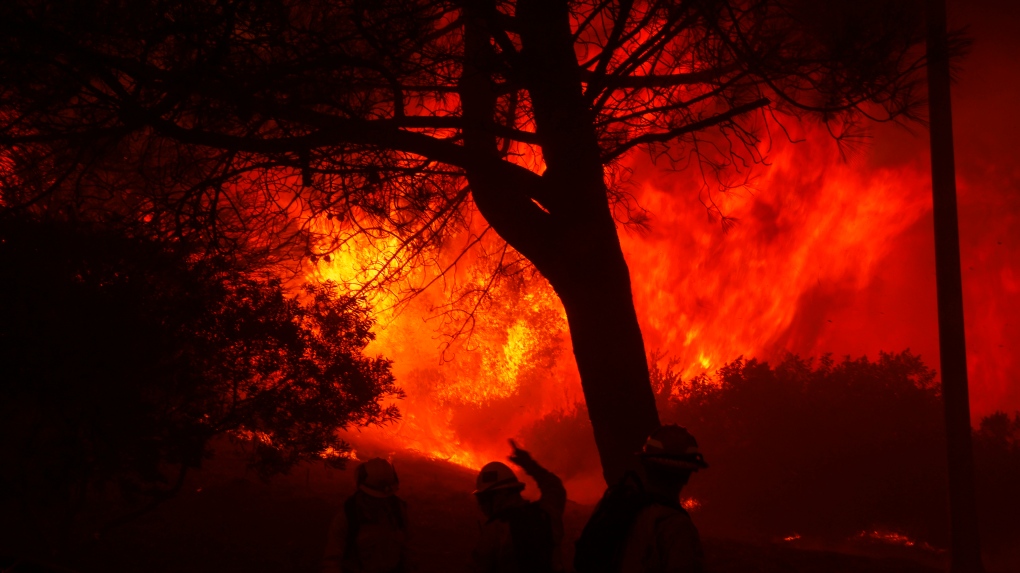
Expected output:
{"points": [[708, 293]]}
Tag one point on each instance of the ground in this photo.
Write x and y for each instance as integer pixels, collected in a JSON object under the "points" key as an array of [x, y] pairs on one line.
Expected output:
{"points": [[228, 520]]}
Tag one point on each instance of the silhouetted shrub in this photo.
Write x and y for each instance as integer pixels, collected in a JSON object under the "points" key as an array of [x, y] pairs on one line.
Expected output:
{"points": [[122, 358], [828, 448], [819, 448], [834, 448], [997, 456]]}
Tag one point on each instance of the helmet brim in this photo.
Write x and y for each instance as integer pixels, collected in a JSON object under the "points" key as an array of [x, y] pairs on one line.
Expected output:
{"points": [[377, 493], [690, 464], [498, 486]]}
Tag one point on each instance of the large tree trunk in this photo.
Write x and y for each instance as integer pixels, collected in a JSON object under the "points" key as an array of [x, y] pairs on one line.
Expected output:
{"points": [[594, 284], [965, 550], [562, 221]]}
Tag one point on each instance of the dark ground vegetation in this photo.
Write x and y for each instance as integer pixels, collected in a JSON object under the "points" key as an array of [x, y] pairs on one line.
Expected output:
{"points": [[825, 450], [226, 520]]}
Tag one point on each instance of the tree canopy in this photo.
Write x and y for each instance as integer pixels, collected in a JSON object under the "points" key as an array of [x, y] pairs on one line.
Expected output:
{"points": [[207, 115], [124, 358], [289, 126]]}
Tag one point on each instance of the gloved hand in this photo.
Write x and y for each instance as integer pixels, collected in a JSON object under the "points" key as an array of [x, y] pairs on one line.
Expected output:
{"points": [[521, 457]]}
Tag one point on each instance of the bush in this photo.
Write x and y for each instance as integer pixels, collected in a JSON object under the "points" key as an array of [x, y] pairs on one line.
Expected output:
{"points": [[997, 456], [828, 448], [835, 448], [819, 448], [123, 358]]}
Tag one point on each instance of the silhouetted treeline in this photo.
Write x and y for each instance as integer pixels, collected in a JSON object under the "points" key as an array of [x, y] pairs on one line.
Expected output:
{"points": [[822, 448], [123, 357]]}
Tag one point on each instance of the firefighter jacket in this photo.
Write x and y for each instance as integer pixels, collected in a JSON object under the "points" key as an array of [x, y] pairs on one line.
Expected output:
{"points": [[525, 531], [369, 535], [663, 539]]}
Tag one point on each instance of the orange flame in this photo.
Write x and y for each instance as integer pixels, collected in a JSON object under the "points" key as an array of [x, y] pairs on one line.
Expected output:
{"points": [[708, 293]]}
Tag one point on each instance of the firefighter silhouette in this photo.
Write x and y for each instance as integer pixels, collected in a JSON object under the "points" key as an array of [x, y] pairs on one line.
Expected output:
{"points": [[519, 536], [639, 525], [369, 535]]}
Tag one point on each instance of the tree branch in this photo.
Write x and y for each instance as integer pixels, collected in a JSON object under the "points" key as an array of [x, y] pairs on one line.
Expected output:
{"points": [[656, 80], [664, 136]]}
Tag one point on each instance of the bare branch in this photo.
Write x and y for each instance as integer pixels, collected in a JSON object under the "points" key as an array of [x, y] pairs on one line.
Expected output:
{"points": [[666, 136]]}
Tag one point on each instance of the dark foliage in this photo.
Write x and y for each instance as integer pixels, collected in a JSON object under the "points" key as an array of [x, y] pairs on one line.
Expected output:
{"points": [[835, 448], [997, 456], [820, 448], [827, 448], [122, 358]]}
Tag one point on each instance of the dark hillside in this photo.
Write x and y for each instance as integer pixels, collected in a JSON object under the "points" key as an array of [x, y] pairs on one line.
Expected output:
{"points": [[228, 520]]}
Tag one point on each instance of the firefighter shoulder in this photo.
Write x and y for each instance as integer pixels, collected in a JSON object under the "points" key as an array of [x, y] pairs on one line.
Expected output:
{"points": [[639, 525], [519, 535], [369, 535]]}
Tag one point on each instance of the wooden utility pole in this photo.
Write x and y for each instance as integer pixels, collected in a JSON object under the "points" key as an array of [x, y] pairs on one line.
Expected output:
{"points": [[965, 548]]}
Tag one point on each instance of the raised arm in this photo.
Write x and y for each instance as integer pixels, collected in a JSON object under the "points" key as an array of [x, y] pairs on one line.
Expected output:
{"points": [[554, 495]]}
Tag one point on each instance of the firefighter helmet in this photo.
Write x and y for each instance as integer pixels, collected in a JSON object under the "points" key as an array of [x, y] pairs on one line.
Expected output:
{"points": [[673, 447], [377, 478], [496, 476]]}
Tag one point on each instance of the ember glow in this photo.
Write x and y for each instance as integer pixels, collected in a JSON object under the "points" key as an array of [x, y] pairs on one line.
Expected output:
{"points": [[690, 504], [893, 538]]}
